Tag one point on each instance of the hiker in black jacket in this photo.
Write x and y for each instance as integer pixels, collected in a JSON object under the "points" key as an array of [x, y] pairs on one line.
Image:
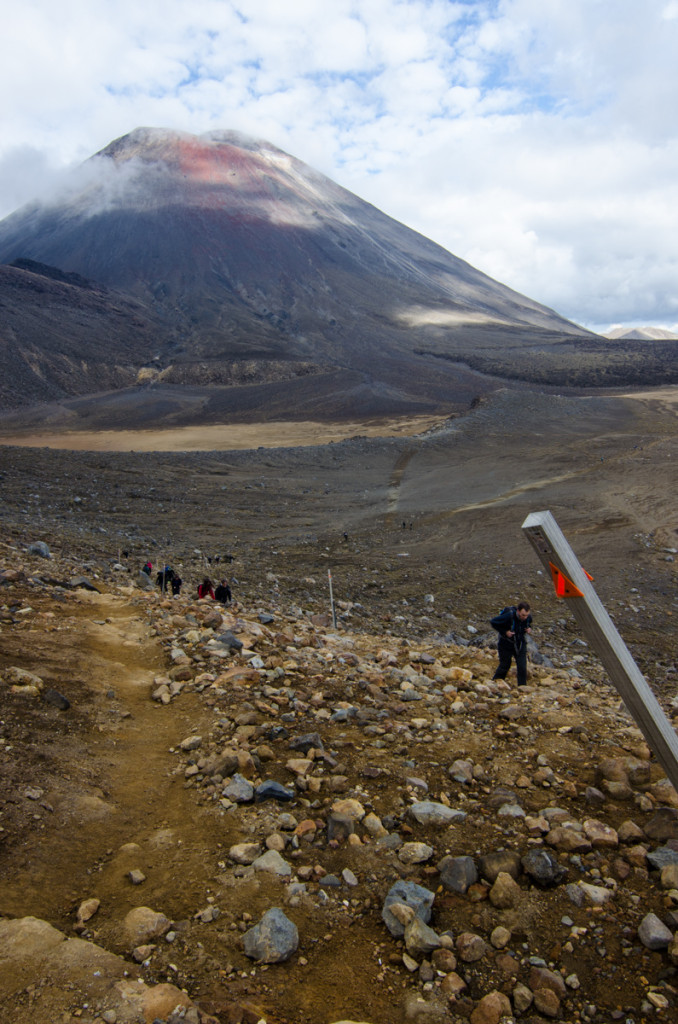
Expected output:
{"points": [[512, 624], [222, 593]]}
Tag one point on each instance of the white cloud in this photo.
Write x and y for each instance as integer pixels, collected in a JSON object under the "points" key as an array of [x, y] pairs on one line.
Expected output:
{"points": [[538, 140]]}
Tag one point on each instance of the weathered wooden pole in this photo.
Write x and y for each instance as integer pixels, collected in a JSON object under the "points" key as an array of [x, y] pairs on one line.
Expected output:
{"points": [[574, 585]]}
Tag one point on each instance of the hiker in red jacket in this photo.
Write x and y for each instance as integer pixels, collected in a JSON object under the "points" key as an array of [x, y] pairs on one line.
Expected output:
{"points": [[206, 589]]}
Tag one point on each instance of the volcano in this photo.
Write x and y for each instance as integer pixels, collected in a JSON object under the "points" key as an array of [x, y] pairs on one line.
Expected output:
{"points": [[245, 272]]}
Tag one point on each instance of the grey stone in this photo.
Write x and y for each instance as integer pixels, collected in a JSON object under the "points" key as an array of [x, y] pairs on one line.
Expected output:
{"points": [[471, 947], [191, 743], [500, 796], [207, 914], [543, 868], [393, 841], [522, 998], [575, 894], [420, 939], [542, 977], [273, 940], [244, 853], [457, 874], [39, 548], [417, 783], [512, 712], [671, 920], [653, 933], [411, 895], [536, 656], [343, 714], [461, 771], [278, 732], [271, 790], [272, 861], [427, 812], [239, 789], [229, 640], [82, 583], [309, 741], [224, 764], [598, 895], [145, 582], [511, 811], [662, 856]]}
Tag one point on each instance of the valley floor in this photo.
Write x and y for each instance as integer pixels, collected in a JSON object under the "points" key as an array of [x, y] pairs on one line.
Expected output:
{"points": [[229, 437]]}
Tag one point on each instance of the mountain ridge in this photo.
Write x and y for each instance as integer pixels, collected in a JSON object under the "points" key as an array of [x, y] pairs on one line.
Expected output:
{"points": [[233, 250], [641, 334]]}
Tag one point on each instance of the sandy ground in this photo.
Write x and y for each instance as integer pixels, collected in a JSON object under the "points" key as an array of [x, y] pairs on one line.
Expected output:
{"points": [[277, 434], [226, 437], [667, 396]]}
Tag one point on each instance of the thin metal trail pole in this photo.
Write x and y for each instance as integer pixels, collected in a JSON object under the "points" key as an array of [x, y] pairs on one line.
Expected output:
{"points": [[334, 614], [573, 584]]}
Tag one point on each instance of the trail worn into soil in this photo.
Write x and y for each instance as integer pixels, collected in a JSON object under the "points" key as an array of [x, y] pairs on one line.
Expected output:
{"points": [[110, 779]]}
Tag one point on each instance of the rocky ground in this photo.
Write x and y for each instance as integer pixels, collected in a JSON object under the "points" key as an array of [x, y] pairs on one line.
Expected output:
{"points": [[214, 764], [254, 814]]}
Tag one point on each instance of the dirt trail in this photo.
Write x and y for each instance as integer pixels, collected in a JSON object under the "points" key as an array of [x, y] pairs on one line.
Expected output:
{"points": [[505, 496], [125, 792], [395, 480]]}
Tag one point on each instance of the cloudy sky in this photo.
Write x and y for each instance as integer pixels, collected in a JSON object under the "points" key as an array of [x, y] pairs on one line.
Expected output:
{"points": [[537, 139]]}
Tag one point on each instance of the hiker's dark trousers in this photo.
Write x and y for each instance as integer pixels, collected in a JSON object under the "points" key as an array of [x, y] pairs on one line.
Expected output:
{"points": [[507, 651]]}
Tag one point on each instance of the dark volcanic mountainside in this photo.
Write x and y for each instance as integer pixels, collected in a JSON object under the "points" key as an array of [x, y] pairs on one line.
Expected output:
{"points": [[236, 252], [61, 336], [196, 222]]}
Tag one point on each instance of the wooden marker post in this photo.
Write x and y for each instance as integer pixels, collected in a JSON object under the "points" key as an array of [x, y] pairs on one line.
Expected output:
{"points": [[574, 585]]}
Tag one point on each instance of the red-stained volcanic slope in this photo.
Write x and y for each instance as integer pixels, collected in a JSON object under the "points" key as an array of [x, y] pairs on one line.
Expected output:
{"points": [[246, 255]]}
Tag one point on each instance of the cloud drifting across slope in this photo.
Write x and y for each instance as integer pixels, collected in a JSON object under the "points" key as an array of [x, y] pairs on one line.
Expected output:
{"points": [[536, 140]]}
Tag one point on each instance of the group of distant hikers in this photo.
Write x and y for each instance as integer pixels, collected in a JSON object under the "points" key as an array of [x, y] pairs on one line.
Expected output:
{"points": [[220, 593], [513, 623], [169, 581]]}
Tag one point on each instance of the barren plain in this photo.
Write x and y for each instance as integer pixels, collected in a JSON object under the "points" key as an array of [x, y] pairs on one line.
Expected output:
{"points": [[122, 798]]}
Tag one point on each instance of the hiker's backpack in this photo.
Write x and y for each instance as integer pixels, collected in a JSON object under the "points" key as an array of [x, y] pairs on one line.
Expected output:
{"points": [[504, 620]]}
